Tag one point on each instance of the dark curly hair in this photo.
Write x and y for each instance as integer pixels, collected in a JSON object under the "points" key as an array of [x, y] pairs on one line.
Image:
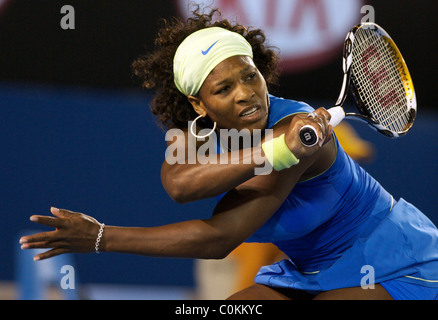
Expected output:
{"points": [[155, 70]]}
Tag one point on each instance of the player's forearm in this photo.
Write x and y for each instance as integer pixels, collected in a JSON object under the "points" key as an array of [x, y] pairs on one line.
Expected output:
{"points": [[192, 182], [191, 239]]}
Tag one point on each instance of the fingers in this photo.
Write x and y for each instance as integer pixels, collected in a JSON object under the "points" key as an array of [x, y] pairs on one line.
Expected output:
{"points": [[326, 116], [48, 221], [37, 245], [61, 213], [50, 254], [58, 221], [45, 240], [44, 237], [44, 245], [324, 130], [321, 112]]}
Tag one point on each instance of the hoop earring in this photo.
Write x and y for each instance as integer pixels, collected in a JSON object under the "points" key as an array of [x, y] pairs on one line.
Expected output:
{"points": [[192, 129]]}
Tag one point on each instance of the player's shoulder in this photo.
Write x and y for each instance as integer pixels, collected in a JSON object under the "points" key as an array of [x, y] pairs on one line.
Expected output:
{"points": [[281, 109]]}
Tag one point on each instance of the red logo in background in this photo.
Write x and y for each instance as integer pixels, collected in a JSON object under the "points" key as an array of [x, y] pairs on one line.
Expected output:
{"points": [[308, 33], [378, 77]]}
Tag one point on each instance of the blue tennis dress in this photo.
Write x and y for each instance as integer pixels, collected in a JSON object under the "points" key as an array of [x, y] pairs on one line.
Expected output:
{"points": [[343, 229]]}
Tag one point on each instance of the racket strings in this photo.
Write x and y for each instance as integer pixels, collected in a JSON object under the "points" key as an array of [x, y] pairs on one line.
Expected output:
{"points": [[377, 92], [382, 95], [376, 75]]}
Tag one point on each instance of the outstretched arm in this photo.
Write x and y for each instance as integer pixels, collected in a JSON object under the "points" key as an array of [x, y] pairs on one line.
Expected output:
{"points": [[240, 213]]}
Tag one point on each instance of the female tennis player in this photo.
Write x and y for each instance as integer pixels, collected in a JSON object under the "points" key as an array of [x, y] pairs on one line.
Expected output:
{"points": [[345, 235]]}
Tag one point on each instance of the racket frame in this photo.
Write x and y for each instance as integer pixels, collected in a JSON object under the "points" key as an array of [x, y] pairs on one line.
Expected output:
{"points": [[337, 112]]}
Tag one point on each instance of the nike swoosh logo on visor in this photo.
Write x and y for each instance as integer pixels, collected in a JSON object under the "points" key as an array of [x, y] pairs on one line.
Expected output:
{"points": [[208, 50]]}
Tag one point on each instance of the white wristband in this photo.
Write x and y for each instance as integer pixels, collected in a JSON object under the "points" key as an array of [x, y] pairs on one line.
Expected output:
{"points": [[99, 237]]}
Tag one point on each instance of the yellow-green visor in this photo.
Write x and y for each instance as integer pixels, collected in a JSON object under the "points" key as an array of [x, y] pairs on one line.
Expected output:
{"points": [[201, 52]]}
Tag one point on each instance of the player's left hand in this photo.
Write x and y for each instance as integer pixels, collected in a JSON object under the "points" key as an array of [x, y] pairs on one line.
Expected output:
{"points": [[74, 232]]}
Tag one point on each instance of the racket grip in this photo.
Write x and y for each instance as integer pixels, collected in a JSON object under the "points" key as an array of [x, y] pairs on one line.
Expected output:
{"points": [[308, 135], [337, 114]]}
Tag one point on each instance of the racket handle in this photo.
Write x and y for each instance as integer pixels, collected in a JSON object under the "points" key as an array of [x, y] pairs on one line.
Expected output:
{"points": [[337, 114], [308, 135]]}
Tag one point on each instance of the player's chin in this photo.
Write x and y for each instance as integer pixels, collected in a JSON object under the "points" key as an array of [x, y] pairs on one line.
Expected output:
{"points": [[256, 121], [255, 126]]}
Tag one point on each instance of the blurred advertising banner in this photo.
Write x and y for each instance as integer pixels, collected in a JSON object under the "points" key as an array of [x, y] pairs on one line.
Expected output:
{"points": [[3, 5], [308, 33]]}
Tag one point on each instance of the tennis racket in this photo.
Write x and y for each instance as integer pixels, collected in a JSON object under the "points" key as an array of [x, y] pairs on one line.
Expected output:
{"points": [[379, 81]]}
